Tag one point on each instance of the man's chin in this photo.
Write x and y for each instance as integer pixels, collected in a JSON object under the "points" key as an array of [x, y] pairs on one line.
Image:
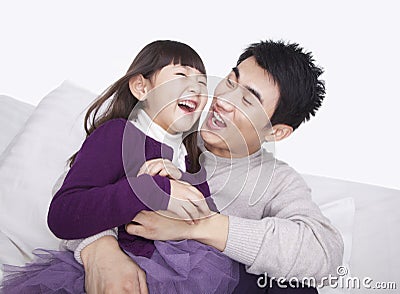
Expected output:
{"points": [[211, 137], [206, 133]]}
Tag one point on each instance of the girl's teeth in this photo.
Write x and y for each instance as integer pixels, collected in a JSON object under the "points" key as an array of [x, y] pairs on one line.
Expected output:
{"points": [[188, 104]]}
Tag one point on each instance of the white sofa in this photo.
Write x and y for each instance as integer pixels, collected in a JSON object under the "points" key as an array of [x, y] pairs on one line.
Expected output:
{"points": [[36, 141]]}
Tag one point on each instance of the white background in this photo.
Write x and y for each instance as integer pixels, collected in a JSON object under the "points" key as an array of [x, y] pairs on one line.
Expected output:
{"points": [[354, 136]]}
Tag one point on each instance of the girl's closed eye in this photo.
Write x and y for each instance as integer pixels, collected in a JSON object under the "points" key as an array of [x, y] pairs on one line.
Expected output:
{"points": [[181, 74], [203, 83]]}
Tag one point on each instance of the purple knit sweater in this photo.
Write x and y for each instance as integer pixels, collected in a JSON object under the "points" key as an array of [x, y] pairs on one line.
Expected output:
{"points": [[101, 190]]}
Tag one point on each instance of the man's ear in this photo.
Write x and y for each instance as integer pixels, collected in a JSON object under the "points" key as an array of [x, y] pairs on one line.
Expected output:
{"points": [[138, 87], [278, 132]]}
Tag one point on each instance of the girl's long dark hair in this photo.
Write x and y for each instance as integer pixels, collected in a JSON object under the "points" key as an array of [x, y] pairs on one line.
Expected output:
{"points": [[150, 59]]}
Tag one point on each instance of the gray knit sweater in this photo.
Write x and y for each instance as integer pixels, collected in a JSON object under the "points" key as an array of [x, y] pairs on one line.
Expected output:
{"points": [[274, 226]]}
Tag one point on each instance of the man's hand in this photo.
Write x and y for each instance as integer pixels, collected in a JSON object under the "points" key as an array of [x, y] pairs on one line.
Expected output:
{"points": [[162, 225], [109, 270]]}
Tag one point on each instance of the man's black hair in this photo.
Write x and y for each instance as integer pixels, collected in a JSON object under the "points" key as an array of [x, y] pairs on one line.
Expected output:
{"points": [[294, 71]]}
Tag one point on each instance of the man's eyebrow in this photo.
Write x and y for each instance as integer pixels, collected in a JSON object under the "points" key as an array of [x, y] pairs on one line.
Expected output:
{"points": [[254, 92], [236, 71], [250, 89]]}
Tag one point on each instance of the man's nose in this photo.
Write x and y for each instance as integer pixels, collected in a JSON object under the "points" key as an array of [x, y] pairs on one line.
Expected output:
{"points": [[229, 97], [224, 104]]}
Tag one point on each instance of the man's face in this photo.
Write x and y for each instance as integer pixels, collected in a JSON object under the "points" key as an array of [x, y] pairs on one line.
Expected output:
{"points": [[238, 120]]}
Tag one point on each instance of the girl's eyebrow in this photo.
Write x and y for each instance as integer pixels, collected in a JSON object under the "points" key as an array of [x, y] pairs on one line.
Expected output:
{"points": [[186, 67]]}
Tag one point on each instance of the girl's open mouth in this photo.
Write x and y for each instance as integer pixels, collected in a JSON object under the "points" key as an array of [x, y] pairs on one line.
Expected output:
{"points": [[187, 106]]}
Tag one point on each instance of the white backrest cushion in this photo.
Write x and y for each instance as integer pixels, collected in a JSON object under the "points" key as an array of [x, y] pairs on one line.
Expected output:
{"points": [[9, 253], [13, 115], [337, 205], [340, 210], [341, 214], [33, 162]]}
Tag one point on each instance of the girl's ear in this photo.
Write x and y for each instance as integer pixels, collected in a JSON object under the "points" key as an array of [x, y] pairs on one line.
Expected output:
{"points": [[138, 87], [278, 132]]}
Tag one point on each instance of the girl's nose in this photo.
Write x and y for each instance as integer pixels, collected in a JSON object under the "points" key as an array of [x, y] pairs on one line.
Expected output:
{"points": [[195, 87]]}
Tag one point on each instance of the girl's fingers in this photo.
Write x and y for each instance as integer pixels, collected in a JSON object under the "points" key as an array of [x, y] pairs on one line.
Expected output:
{"points": [[198, 202], [156, 164], [202, 207], [140, 172], [191, 211], [144, 169], [163, 173], [152, 169], [157, 168]]}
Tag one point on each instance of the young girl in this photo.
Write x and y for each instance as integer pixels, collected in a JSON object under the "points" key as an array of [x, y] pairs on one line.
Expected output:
{"points": [[144, 115]]}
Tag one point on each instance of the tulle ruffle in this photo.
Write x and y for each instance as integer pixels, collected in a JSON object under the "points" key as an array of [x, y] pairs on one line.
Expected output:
{"points": [[189, 267], [51, 272], [176, 267]]}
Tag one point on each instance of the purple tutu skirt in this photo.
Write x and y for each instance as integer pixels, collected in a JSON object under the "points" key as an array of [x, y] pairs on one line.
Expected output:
{"points": [[175, 267]]}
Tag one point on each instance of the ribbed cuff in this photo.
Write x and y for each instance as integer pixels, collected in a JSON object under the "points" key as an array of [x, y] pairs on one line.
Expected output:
{"points": [[245, 237], [86, 242]]}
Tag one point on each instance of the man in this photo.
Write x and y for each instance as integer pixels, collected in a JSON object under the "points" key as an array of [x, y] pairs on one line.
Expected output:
{"points": [[284, 233]]}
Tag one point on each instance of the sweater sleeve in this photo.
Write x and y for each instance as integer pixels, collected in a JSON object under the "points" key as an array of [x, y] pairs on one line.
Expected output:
{"points": [[293, 239], [96, 194]]}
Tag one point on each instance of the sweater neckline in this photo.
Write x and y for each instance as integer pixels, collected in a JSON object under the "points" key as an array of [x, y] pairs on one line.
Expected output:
{"points": [[230, 160]]}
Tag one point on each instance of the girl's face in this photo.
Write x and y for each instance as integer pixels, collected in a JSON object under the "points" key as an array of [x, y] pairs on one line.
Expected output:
{"points": [[177, 96]]}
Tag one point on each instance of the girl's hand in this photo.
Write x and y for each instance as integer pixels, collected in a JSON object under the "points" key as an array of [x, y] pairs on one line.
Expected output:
{"points": [[162, 167], [187, 202]]}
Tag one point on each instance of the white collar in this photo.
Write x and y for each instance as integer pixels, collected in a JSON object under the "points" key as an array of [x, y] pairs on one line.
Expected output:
{"points": [[145, 124]]}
